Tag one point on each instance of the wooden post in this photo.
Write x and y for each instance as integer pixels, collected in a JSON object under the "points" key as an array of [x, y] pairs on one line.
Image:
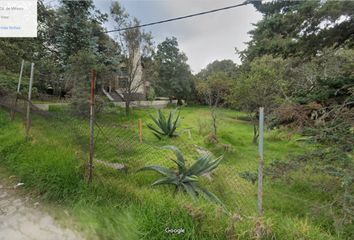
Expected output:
{"points": [[92, 115], [260, 163], [140, 131], [28, 114], [18, 91]]}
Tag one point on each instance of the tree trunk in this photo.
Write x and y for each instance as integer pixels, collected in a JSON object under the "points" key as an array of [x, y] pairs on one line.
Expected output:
{"points": [[127, 107], [213, 117], [179, 102]]}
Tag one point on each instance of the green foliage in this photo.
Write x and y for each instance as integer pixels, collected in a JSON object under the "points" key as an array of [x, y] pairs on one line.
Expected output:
{"points": [[63, 32], [79, 75], [214, 88], [9, 81], [174, 76], [227, 67], [136, 48], [326, 79], [75, 19], [249, 176], [327, 163], [300, 28], [120, 205], [261, 83], [164, 126], [187, 178], [151, 95]]}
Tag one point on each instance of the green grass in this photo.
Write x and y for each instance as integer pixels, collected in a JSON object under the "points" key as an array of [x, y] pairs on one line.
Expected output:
{"points": [[9, 81], [122, 205]]}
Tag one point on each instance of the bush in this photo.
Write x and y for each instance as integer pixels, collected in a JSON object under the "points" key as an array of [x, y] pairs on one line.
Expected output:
{"points": [[164, 127], [187, 178], [151, 95]]}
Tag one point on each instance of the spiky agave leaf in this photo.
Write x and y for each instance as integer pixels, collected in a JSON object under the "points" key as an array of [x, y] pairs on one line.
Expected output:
{"points": [[155, 120], [164, 171], [213, 198], [208, 195], [190, 190], [172, 132], [212, 164], [169, 120], [166, 180], [201, 163], [204, 164], [192, 178], [188, 178], [155, 131], [179, 158], [164, 127], [162, 121]]}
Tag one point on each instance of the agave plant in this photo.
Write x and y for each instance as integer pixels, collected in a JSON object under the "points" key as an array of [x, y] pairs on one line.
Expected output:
{"points": [[186, 178], [164, 127]]}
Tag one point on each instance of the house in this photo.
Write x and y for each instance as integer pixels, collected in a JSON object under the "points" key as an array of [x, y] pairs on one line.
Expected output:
{"points": [[116, 88]]}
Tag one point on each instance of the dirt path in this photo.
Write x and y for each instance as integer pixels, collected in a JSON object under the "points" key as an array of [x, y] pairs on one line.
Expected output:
{"points": [[22, 220]]}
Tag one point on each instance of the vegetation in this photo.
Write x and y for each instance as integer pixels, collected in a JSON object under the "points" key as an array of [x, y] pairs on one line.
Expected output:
{"points": [[164, 127], [213, 90], [298, 65], [259, 84], [174, 78], [135, 46], [120, 205], [187, 178]]}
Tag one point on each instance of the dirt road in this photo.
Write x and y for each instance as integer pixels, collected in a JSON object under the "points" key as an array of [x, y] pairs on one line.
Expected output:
{"points": [[22, 220]]}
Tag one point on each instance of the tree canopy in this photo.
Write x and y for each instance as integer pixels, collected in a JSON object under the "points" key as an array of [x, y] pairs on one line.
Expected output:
{"points": [[174, 75], [300, 28]]}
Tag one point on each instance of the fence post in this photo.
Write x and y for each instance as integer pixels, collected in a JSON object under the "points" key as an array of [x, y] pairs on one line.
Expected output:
{"points": [[92, 115], [18, 91], [28, 114], [260, 163], [140, 131]]}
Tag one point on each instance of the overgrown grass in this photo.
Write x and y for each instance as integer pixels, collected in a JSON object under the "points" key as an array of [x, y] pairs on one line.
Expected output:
{"points": [[9, 81], [122, 205]]}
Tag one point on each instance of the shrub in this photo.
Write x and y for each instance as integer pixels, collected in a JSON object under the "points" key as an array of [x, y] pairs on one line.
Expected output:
{"points": [[249, 176], [164, 127], [187, 178], [151, 95]]}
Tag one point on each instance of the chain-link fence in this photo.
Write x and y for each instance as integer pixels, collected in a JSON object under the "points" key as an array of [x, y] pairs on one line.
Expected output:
{"points": [[124, 144], [121, 145]]}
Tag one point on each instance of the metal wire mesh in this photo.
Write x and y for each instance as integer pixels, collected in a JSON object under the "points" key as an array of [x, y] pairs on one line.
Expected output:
{"points": [[118, 142], [119, 152]]}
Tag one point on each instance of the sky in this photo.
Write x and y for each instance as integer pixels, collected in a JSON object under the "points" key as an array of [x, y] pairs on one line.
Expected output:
{"points": [[203, 38]]}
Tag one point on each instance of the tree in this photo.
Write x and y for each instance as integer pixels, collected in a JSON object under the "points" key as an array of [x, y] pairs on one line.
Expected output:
{"points": [[213, 90], [300, 28], [78, 79], [261, 83], [328, 77], [226, 66], [174, 75], [42, 50], [135, 45], [75, 28]]}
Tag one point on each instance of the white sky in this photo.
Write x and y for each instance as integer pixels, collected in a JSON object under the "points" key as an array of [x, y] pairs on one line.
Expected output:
{"points": [[204, 38]]}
